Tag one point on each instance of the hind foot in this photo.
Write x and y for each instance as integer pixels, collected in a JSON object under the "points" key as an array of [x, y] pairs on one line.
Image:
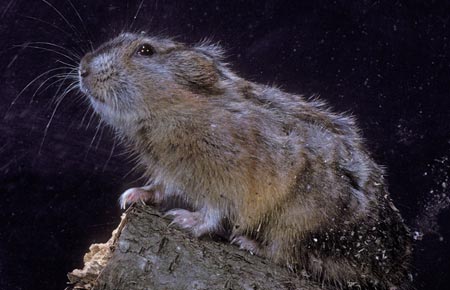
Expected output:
{"points": [[197, 222]]}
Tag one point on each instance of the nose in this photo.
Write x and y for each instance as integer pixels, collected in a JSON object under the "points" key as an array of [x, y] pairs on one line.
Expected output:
{"points": [[84, 70]]}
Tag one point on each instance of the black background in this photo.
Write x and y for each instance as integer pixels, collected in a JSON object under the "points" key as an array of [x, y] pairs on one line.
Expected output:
{"points": [[386, 62]]}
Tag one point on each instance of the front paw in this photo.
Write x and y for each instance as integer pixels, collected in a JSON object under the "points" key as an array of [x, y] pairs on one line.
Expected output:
{"points": [[192, 221], [139, 194]]}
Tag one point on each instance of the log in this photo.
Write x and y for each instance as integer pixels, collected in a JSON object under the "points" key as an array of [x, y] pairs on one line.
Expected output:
{"points": [[146, 252]]}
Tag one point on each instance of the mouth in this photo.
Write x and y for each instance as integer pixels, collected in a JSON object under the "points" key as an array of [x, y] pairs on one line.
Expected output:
{"points": [[87, 91], [83, 87]]}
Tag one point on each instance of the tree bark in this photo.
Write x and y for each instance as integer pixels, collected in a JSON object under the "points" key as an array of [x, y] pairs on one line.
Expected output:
{"points": [[145, 253]]}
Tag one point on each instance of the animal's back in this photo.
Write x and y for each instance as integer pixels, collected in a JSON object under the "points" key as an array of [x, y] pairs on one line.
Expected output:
{"points": [[340, 223]]}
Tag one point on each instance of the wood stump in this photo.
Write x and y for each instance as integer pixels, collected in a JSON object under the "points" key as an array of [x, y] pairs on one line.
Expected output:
{"points": [[146, 253]]}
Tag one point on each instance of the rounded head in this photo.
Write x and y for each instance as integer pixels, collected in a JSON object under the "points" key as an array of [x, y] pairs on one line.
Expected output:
{"points": [[134, 74]]}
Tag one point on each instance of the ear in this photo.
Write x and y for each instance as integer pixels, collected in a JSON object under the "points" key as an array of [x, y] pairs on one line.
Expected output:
{"points": [[196, 70], [213, 50]]}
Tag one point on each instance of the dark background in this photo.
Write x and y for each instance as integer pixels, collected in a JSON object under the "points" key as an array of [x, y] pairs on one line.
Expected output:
{"points": [[386, 62]]}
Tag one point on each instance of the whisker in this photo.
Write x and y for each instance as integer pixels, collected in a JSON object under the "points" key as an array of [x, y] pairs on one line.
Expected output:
{"points": [[73, 57], [110, 155], [82, 23], [60, 86], [51, 50], [78, 97], [90, 119], [65, 49], [60, 78], [58, 103], [93, 140], [65, 19], [66, 92], [71, 66], [127, 14], [46, 22], [69, 88], [100, 137], [5, 10], [133, 169], [84, 117], [47, 126], [48, 86], [136, 15], [30, 83]]}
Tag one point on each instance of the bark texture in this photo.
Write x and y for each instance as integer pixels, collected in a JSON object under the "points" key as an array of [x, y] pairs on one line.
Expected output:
{"points": [[145, 253]]}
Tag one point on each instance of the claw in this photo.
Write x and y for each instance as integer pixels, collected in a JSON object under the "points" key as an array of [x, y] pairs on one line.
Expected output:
{"points": [[246, 244], [138, 194]]}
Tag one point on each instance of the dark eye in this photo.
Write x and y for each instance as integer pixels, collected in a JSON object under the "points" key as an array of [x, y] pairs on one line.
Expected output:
{"points": [[145, 50]]}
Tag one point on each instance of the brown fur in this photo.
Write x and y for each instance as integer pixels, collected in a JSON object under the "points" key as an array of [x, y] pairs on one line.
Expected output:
{"points": [[293, 179]]}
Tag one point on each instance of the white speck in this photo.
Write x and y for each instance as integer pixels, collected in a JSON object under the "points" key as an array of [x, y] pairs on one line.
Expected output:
{"points": [[417, 236]]}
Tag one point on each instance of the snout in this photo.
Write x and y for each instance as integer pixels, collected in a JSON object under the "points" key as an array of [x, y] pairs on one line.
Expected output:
{"points": [[98, 76], [84, 69]]}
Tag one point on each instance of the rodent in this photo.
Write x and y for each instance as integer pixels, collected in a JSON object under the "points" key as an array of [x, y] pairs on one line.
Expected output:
{"points": [[292, 180]]}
